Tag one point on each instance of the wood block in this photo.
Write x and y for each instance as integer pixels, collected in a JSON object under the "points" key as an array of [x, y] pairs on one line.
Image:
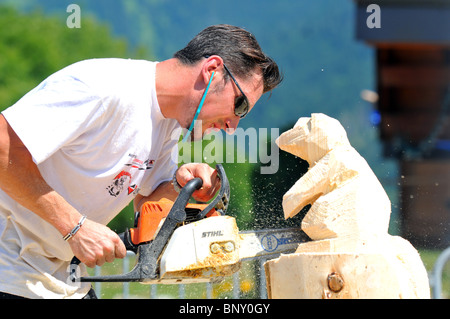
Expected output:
{"points": [[388, 268]]}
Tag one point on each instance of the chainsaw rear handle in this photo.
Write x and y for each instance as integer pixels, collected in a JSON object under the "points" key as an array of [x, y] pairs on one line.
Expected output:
{"points": [[177, 215], [149, 253]]}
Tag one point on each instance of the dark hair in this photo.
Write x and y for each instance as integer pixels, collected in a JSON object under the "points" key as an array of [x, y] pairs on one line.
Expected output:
{"points": [[237, 47]]}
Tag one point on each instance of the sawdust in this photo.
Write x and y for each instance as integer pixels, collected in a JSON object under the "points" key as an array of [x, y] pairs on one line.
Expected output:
{"points": [[216, 265]]}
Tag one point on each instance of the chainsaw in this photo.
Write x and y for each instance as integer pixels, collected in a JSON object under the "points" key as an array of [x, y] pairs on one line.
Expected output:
{"points": [[182, 242]]}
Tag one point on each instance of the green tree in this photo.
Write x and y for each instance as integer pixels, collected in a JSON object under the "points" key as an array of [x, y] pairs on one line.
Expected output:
{"points": [[34, 45]]}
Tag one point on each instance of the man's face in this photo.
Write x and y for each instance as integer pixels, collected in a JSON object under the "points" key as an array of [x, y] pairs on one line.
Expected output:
{"points": [[218, 110]]}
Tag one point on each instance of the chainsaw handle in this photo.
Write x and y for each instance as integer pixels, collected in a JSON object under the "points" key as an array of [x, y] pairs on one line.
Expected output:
{"points": [[124, 237], [147, 263], [75, 262], [220, 202], [187, 191], [180, 203]]}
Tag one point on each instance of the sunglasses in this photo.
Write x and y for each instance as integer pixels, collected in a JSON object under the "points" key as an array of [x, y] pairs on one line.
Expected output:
{"points": [[241, 105]]}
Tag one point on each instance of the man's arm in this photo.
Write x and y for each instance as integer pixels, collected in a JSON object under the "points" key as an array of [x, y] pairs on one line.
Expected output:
{"points": [[164, 190], [20, 178], [186, 172]]}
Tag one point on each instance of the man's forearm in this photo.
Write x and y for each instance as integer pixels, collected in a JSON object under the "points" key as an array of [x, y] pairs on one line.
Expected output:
{"points": [[164, 190], [186, 172]]}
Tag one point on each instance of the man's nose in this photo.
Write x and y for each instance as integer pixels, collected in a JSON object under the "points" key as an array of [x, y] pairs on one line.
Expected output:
{"points": [[231, 126]]}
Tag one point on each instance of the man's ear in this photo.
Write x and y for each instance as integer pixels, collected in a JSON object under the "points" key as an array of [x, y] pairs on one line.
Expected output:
{"points": [[214, 63]]}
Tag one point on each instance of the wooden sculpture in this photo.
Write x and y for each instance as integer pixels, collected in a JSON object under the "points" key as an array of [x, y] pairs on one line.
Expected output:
{"points": [[351, 254]]}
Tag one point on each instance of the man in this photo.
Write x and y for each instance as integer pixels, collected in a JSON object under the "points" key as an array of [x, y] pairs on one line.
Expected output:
{"points": [[95, 135]]}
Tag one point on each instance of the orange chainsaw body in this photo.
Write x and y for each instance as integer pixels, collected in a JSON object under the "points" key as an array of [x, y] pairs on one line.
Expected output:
{"points": [[152, 216]]}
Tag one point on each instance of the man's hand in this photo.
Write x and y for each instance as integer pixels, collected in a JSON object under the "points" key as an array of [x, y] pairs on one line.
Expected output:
{"points": [[94, 244], [211, 183]]}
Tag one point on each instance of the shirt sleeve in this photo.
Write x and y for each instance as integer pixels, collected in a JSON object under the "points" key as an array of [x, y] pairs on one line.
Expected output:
{"points": [[53, 114]]}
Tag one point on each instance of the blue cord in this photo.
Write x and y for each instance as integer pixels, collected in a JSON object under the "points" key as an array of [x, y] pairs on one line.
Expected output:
{"points": [[198, 109]]}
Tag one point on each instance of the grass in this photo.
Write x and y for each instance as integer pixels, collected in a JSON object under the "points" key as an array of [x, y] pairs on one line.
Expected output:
{"points": [[429, 258], [248, 283], [248, 286]]}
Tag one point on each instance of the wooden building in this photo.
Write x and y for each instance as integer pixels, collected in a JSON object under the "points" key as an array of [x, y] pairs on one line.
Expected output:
{"points": [[412, 43]]}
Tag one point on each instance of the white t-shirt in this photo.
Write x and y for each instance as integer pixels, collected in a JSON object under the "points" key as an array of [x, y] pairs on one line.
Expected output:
{"points": [[98, 136]]}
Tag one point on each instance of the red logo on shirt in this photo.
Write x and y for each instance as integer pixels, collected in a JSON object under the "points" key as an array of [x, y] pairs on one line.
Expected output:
{"points": [[118, 183], [124, 177]]}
